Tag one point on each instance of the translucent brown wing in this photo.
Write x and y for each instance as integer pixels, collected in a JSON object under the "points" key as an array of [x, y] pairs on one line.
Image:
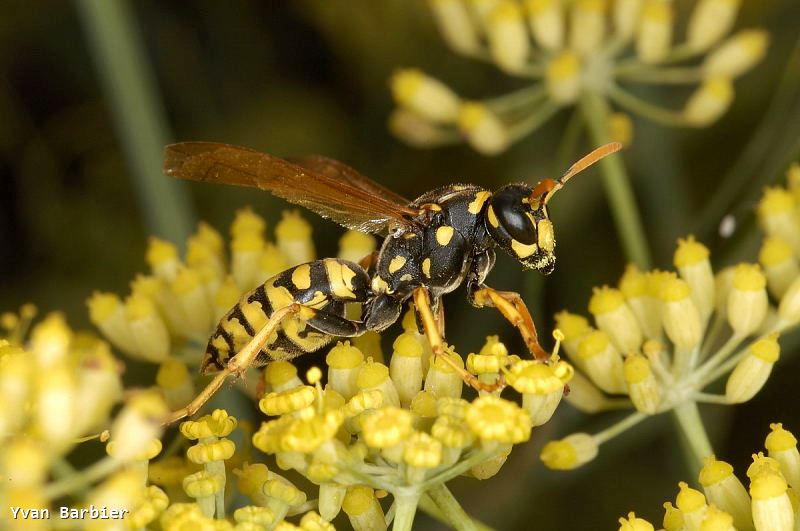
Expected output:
{"points": [[362, 208], [342, 172]]}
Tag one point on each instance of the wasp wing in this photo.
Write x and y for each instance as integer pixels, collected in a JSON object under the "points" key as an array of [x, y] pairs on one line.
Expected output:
{"points": [[342, 172], [325, 192]]}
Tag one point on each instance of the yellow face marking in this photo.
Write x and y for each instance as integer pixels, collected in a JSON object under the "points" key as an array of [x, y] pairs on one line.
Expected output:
{"points": [[522, 250], [341, 279], [406, 277], [426, 267], [379, 285], [492, 218], [477, 204], [444, 235], [547, 237], [396, 264], [301, 276]]}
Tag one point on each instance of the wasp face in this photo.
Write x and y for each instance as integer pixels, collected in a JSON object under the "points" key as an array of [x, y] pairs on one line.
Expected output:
{"points": [[519, 224]]}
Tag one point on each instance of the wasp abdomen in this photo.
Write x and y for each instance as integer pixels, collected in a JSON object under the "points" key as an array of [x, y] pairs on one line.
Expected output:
{"points": [[323, 285]]}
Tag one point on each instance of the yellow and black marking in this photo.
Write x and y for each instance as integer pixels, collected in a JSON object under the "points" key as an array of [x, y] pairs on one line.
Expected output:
{"points": [[321, 288]]}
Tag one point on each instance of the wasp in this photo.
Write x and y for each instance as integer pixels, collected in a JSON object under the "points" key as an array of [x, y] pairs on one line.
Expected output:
{"points": [[432, 245]]}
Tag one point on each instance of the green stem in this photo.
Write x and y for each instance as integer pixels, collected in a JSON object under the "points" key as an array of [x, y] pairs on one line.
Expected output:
{"points": [[660, 76], [617, 185], [614, 430], [62, 470], [524, 96], [569, 142], [138, 114], [405, 509], [691, 424], [456, 470], [453, 511], [87, 476], [647, 109], [532, 121]]}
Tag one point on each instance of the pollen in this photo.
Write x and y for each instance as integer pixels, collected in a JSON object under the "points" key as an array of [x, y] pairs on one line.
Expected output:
{"points": [[217, 424], [386, 427]]}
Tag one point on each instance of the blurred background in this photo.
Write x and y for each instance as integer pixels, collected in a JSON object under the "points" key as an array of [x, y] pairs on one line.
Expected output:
{"points": [[302, 77]]}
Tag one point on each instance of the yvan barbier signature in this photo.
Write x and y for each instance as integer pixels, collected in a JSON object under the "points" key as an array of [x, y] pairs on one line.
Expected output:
{"points": [[68, 513]]}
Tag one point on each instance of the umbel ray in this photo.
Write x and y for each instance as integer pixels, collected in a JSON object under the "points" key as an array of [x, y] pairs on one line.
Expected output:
{"points": [[431, 246]]}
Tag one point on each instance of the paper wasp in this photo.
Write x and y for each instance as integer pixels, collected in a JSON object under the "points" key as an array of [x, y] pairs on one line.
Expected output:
{"points": [[432, 245]]}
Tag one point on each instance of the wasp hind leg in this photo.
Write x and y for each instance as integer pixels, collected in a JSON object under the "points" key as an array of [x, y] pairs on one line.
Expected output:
{"points": [[513, 308], [430, 325], [243, 359]]}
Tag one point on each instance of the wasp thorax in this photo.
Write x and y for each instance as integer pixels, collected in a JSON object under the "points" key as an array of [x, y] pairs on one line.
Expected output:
{"points": [[521, 227]]}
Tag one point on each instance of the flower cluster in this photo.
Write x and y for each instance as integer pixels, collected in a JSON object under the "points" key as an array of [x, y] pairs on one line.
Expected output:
{"points": [[770, 503], [402, 429], [57, 387], [661, 338], [575, 51]]}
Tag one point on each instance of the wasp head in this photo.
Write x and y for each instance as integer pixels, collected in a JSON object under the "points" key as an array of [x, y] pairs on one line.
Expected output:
{"points": [[517, 220]]}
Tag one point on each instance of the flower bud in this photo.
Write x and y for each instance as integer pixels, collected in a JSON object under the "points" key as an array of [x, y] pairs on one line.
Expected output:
{"points": [[246, 251], [603, 362], [691, 260], [442, 380], [614, 318], [692, 505], [293, 236], [584, 395], [454, 23], [107, 313], [271, 262], [751, 373], [405, 367], [570, 452], [709, 102], [641, 295], [425, 96], [772, 508], [344, 363], [710, 21], [573, 326], [508, 39], [655, 31], [780, 265], [563, 78], [546, 21], [192, 302], [374, 375], [540, 387], [724, 490], [673, 519], [643, 388], [632, 523], [484, 130], [139, 422], [281, 376], [682, 321], [737, 55], [717, 520], [56, 405], [363, 509], [587, 25], [226, 297], [148, 329], [782, 446], [747, 301], [162, 257], [174, 381], [777, 215], [626, 17]]}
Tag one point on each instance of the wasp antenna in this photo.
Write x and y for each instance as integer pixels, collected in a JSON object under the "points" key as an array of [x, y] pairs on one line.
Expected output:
{"points": [[586, 161]]}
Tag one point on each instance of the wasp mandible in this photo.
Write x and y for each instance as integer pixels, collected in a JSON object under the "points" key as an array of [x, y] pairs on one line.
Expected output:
{"points": [[432, 245]]}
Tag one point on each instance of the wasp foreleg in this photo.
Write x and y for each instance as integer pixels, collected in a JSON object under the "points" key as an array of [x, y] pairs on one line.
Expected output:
{"points": [[513, 308], [422, 304], [239, 363]]}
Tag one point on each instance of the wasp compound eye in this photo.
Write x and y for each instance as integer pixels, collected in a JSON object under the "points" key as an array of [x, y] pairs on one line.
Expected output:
{"points": [[513, 211]]}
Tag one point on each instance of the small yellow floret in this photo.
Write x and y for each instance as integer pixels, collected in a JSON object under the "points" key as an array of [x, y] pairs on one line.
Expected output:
{"points": [[217, 424], [202, 484], [102, 306], [572, 325], [690, 252], [160, 251], [372, 375], [774, 251], [386, 427], [632, 523], [344, 356], [605, 300], [278, 373], [171, 374], [637, 369], [714, 471], [748, 277], [766, 349], [247, 221], [566, 66], [766, 486], [292, 226], [203, 453], [289, 401], [674, 289], [407, 345], [689, 499], [779, 439], [530, 377], [592, 344], [358, 500], [775, 200], [633, 283], [422, 451], [494, 419]]}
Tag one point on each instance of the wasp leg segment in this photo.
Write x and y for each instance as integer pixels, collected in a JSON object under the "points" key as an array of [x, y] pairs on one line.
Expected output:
{"points": [[239, 363], [422, 303], [513, 308], [334, 325], [368, 261]]}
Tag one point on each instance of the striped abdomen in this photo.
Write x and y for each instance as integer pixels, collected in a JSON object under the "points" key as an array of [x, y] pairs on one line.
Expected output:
{"points": [[324, 285]]}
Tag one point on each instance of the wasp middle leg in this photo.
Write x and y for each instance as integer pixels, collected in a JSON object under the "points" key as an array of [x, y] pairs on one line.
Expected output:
{"points": [[422, 303]]}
